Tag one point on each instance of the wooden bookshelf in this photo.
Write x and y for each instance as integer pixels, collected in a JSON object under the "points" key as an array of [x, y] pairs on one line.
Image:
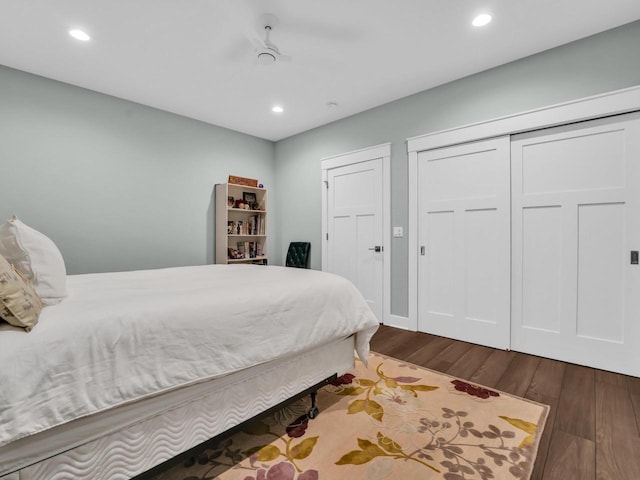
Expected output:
{"points": [[241, 233]]}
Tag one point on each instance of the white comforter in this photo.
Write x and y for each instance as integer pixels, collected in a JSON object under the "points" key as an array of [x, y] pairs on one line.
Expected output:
{"points": [[120, 337]]}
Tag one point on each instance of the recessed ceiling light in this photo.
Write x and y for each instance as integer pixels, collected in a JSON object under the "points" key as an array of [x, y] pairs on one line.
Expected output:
{"points": [[277, 109], [79, 35], [481, 20]]}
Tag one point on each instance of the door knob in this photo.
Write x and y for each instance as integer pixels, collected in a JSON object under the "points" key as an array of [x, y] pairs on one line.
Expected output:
{"points": [[377, 248]]}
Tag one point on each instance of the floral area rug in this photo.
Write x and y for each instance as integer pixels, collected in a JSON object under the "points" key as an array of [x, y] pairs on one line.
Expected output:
{"points": [[390, 420]]}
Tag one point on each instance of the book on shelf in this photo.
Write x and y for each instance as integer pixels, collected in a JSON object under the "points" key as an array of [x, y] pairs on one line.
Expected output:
{"points": [[254, 225], [257, 224], [249, 249], [245, 250]]}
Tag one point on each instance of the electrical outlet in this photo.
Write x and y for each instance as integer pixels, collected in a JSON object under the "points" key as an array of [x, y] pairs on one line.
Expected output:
{"points": [[397, 232]]}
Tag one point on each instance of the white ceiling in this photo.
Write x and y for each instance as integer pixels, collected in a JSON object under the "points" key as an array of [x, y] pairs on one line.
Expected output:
{"points": [[195, 57]]}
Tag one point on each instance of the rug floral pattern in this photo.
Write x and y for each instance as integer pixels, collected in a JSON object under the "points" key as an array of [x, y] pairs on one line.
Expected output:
{"points": [[390, 420]]}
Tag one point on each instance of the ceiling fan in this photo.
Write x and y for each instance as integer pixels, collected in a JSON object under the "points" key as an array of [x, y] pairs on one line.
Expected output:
{"points": [[267, 52]]}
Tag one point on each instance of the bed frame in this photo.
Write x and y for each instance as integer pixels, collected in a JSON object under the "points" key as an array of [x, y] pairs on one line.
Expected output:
{"points": [[130, 440]]}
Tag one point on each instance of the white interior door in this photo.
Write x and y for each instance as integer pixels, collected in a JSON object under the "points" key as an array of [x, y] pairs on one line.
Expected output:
{"points": [[464, 221], [576, 219], [355, 228]]}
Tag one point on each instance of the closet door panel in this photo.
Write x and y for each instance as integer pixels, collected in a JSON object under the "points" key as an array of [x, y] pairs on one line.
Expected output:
{"points": [[601, 267], [575, 209], [541, 239], [463, 268], [482, 258], [441, 274], [583, 162]]}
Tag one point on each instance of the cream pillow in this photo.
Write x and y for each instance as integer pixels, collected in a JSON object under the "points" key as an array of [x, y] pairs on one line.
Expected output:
{"points": [[19, 303], [37, 257]]}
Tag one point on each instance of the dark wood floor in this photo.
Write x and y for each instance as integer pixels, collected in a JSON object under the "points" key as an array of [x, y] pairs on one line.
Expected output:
{"points": [[593, 427]]}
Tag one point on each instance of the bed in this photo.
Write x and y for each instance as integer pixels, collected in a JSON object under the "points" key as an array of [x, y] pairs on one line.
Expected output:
{"points": [[134, 368]]}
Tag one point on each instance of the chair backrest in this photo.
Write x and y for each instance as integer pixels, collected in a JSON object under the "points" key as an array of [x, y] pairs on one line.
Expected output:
{"points": [[298, 254]]}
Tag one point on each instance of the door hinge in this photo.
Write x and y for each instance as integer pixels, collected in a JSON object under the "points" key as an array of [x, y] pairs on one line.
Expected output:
{"points": [[327, 236]]}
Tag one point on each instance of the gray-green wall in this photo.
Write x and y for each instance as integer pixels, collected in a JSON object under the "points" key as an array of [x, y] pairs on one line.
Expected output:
{"points": [[116, 185], [604, 62], [120, 186]]}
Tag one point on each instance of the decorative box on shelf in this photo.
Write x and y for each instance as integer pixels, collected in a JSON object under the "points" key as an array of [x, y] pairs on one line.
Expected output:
{"points": [[248, 182]]}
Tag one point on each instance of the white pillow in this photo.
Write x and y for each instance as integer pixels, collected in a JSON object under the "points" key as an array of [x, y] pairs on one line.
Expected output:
{"points": [[37, 257]]}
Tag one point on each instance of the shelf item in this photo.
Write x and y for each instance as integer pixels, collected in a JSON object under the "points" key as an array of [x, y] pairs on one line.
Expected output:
{"points": [[241, 224], [249, 182]]}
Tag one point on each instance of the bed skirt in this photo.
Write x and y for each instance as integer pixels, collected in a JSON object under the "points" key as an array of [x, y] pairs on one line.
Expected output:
{"points": [[131, 439]]}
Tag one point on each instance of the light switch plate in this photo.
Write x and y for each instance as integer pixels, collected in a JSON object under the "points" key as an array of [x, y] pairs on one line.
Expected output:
{"points": [[397, 232]]}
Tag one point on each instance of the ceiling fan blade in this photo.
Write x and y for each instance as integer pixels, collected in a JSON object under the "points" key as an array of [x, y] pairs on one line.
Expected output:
{"points": [[257, 43], [237, 48]]}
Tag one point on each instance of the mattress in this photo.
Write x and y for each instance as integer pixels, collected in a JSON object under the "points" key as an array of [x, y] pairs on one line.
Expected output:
{"points": [[122, 337], [130, 439]]}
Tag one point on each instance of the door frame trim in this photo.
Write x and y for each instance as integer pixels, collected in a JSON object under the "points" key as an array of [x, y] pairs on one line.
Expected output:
{"points": [[382, 151], [610, 103]]}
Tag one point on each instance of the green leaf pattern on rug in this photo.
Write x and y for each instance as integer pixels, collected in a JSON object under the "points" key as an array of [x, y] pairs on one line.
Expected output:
{"points": [[303, 449], [528, 427], [446, 436], [270, 452], [369, 450], [455, 442], [388, 444], [371, 407], [384, 385]]}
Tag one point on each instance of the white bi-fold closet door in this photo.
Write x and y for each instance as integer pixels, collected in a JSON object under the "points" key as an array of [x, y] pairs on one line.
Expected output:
{"points": [[525, 242], [575, 222]]}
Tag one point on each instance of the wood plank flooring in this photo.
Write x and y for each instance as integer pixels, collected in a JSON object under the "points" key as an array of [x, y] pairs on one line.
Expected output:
{"points": [[592, 432]]}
